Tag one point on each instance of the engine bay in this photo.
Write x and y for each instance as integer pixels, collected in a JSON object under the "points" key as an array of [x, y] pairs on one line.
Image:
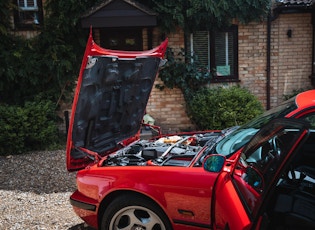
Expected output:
{"points": [[175, 150]]}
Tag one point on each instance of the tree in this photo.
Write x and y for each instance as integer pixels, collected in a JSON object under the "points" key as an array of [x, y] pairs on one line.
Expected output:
{"points": [[5, 11], [207, 14], [47, 64]]}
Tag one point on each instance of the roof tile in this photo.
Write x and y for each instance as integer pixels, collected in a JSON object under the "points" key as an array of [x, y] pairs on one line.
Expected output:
{"points": [[295, 2]]}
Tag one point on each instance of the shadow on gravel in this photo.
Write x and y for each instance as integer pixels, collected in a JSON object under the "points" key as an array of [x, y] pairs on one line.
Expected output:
{"points": [[39, 172], [80, 227]]}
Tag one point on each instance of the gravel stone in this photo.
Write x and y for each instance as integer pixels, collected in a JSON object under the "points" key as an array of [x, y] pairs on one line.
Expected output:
{"points": [[34, 192]]}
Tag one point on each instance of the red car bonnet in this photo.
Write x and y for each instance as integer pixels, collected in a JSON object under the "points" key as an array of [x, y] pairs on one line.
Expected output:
{"points": [[110, 99]]}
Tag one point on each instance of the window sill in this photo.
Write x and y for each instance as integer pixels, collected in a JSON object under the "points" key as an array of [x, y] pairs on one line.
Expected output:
{"points": [[22, 27], [223, 80]]}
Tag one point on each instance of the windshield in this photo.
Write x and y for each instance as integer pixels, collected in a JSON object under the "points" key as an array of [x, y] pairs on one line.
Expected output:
{"points": [[237, 139]]}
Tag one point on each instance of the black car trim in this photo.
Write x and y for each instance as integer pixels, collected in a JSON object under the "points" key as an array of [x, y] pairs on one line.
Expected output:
{"points": [[194, 224], [303, 110], [82, 205]]}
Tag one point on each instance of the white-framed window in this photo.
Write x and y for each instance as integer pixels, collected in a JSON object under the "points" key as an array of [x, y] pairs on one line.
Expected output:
{"points": [[27, 5], [218, 51], [28, 13]]}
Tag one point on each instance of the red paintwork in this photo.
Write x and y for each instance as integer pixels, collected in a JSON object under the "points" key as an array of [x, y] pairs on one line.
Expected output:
{"points": [[306, 99], [229, 206], [172, 188]]}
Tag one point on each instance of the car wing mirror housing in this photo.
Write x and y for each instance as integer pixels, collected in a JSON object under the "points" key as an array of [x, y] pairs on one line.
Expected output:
{"points": [[214, 163]]}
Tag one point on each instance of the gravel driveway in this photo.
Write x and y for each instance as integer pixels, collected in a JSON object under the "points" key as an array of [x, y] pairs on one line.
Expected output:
{"points": [[34, 192]]}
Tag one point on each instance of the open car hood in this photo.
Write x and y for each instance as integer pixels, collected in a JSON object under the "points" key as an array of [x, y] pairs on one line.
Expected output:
{"points": [[112, 92]]}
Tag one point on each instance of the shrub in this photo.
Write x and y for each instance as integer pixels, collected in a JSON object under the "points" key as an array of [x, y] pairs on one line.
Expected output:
{"points": [[29, 127], [219, 108], [184, 72]]}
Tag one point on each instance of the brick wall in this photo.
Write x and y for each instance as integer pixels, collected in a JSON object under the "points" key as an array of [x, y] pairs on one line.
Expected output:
{"points": [[291, 65], [26, 33], [291, 58], [252, 49], [167, 106]]}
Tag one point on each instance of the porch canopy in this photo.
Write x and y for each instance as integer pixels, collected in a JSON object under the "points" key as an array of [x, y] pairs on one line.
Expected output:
{"points": [[119, 13]]}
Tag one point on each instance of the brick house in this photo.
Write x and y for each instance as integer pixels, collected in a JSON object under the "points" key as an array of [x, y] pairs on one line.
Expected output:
{"points": [[271, 58]]}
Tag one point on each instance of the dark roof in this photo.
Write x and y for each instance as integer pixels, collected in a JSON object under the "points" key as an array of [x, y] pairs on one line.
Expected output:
{"points": [[295, 2], [293, 6], [117, 13], [130, 2]]}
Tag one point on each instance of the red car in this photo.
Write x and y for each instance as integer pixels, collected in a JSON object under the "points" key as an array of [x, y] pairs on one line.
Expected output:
{"points": [[257, 176]]}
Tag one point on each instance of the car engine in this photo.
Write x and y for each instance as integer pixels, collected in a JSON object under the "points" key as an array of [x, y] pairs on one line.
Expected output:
{"points": [[176, 150]]}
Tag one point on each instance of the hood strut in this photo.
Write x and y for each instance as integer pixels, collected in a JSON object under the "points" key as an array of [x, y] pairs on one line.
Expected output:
{"points": [[90, 154]]}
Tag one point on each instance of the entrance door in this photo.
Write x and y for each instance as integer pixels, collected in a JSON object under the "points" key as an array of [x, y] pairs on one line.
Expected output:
{"points": [[122, 38]]}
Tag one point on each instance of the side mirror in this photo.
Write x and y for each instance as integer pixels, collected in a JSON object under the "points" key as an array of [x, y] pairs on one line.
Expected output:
{"points": [[214, 163]]}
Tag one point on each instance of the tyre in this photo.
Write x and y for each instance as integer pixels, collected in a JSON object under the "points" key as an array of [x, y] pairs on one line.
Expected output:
{"points": [[134, 213]]}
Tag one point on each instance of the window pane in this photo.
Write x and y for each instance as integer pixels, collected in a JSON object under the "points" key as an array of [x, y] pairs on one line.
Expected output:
{"points": [[27, 14], [311, 119], [224, 53], [27, 3], [201, 47], [31, 3], [28, 17], [21, 3], [217, 51]]}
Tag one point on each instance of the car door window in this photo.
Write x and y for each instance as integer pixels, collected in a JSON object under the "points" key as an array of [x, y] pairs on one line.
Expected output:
{"points": [[311, 119], [262, 159]]}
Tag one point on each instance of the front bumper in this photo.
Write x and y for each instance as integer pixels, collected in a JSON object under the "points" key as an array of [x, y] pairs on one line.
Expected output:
{"points": [[82, 205], [85, 207]]}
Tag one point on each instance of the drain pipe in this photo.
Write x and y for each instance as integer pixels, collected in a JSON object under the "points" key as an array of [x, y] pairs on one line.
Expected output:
{"points": [[312, 77], [268, 60], [270, 18]]}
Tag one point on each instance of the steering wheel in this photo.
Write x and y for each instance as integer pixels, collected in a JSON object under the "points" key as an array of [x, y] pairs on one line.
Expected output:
{"points": [[276, 146]]}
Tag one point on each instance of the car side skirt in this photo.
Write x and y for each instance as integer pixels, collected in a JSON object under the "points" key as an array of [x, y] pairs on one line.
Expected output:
{"points": [[192, 224]]}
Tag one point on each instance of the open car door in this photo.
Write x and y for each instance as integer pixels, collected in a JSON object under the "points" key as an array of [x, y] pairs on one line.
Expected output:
{"points": [[239, 194]]}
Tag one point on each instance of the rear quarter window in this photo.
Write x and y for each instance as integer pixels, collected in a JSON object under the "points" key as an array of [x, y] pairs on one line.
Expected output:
{"points": [[311, 119]]}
